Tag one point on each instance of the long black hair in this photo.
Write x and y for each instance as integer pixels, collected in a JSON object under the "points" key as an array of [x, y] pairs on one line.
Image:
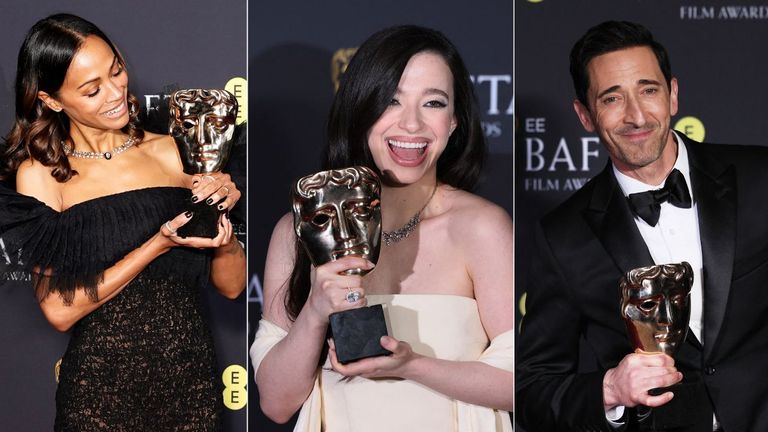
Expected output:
{"points": [[365, 92], [44, 58]]}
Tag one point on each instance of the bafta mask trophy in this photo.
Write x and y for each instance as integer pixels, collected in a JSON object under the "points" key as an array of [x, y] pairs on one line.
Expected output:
{"points": [[202, 123], [656, 306], [337, 213]]}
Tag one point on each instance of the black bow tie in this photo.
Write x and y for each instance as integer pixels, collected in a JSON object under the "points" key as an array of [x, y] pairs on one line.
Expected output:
{"points": [[647, 205]]}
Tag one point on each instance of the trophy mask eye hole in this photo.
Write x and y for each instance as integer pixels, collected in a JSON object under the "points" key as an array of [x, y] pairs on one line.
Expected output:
{"points": [[679, 299], [362, 211], [188, 124], [219, 124], [320, 219], [648, 306]]}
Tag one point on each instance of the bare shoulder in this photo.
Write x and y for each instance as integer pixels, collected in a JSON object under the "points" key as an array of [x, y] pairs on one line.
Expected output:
{"points": [[159, 144], [476, 219], [162, 148], [34, 179], [284, 228]]}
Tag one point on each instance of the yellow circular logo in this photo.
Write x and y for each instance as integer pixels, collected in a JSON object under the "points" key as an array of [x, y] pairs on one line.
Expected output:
{"points": [[235, 395], [692, 127], [239, 87], [521, 305]]}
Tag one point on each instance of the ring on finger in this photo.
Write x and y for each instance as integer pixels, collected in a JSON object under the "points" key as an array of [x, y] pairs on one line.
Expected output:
{"points": [[224, 187], [353, 296], [167, 226]]}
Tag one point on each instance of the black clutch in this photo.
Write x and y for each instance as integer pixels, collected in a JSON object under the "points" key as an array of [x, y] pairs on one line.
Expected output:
{"points": [[357, 333]]}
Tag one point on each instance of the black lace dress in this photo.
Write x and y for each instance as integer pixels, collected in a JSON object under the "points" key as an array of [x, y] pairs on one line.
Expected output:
{"points": [[143, 361]]}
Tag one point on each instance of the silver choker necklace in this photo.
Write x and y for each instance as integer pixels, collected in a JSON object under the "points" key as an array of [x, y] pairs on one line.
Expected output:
{"points": [[100, 155], [402, 233]]}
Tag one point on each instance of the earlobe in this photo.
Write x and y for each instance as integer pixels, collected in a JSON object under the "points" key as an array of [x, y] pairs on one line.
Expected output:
{"points": [[584, 116], [50, 102], [673, 97]]}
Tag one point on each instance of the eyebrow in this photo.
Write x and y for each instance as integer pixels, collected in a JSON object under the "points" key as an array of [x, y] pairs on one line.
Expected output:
{"points": [[616, 87], [114, 60], [431, 91]]}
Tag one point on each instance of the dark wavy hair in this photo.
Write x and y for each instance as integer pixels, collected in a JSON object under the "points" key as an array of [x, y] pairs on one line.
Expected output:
{"points": [[365, 92], [611, 36], [38, 132]]}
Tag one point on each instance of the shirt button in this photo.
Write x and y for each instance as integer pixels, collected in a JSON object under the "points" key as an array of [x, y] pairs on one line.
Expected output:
{"points": [[709, 370]]}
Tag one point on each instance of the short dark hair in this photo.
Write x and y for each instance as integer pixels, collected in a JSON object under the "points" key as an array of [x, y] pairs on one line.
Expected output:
{"points": [[607, 37], [370, 82]]}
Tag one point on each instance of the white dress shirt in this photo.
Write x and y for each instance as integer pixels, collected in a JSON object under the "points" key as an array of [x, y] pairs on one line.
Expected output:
{"points": [[674, 239]]}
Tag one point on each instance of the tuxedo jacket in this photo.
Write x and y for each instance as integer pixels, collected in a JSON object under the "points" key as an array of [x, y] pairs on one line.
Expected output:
{"points": [[573, 331]]}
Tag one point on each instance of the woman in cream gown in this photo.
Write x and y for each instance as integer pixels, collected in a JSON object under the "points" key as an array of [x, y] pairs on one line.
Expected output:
{"points": [[405, 108]]}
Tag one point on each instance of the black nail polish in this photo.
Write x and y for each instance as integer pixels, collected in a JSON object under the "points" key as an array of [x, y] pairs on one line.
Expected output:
{"points": [[220, 206], [188, 214], [194, 183], [209, 201], [194, 199]]}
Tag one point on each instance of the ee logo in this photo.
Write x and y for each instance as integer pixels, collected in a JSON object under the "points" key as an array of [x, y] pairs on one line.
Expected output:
{"points": [[239, 89], [692, 127], [235, 394]]}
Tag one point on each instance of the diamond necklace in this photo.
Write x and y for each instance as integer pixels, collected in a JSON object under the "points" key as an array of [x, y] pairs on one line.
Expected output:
{"points": [[101, 155], [402, 233]]}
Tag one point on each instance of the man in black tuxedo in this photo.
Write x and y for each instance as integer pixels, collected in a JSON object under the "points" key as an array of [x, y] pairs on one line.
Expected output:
{"points": [[575, 365]]}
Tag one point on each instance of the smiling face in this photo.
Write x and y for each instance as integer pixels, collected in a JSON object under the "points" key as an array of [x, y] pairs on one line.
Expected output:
{"points": [[630, 107], [409, 137], [338, 213], [94, 93], [656, 306]]}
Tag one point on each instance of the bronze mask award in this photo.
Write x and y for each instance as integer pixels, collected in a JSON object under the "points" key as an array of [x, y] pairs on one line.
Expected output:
{"points": [[337, 213], [656, 307], [202, 122]]}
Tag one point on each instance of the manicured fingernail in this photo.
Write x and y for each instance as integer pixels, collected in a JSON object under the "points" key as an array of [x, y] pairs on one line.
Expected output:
{"points": [[220, 206], [188, 214], [209, 201], [193, 199], [194, 183]]}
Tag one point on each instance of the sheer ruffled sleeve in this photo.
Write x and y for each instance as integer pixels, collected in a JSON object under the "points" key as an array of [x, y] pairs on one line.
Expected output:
{"points": [[70, 250]]}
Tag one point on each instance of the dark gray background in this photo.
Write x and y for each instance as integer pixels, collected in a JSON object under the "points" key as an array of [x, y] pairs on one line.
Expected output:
{"points": [[167, 44]]}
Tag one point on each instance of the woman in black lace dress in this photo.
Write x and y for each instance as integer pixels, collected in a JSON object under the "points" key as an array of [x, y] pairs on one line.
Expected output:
{"points": [[95, 218]]}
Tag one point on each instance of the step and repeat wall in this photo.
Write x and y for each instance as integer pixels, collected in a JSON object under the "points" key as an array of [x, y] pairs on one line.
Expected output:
{"points": [[167, 46], [717, 54], [295, 54]]}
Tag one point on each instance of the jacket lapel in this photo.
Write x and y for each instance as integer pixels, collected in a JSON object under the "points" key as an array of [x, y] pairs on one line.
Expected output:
{"points": [[612, 221], [714, 191]]}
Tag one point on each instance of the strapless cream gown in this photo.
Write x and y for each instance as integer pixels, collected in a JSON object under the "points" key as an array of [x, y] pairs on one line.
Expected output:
{"points": [[447, 327]]}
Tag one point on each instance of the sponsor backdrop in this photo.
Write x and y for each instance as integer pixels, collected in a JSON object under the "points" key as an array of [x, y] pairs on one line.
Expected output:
{"points": [[714, 48], [295, 53], [167, 45]]}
